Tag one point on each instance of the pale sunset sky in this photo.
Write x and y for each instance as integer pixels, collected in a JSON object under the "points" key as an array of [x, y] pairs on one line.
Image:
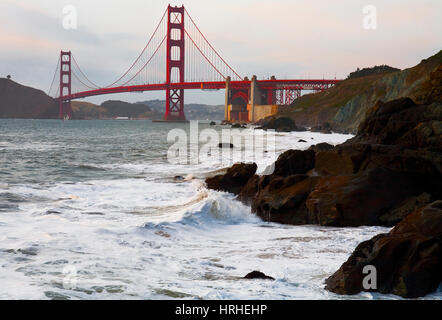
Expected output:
{"points": [[285, 38]]}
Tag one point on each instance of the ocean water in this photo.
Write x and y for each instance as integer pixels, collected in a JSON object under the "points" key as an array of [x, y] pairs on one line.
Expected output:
{"points": [[91, 210]]}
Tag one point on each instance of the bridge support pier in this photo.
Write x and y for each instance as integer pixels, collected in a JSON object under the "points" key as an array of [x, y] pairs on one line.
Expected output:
{"points": [[227, 99]]}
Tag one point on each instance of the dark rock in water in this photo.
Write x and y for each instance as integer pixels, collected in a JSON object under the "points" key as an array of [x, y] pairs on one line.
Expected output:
{"points": [[408, 259], [236, 125], [31, 251], [53, 212], [281, 124], [324, 128], [225, 145], [212, 123], [258, 275], [301, 140], [178, 178], [294, 162], [323, 146], [235, 178], [282, 199], [249, 190]]}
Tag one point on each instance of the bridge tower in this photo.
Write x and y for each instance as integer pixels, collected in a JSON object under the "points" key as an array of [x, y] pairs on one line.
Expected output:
{"points": [[175, 62], [65, 83]]}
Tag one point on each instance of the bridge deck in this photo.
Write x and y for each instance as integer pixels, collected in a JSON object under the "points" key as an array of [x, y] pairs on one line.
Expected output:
{"points": [[263, 84]]}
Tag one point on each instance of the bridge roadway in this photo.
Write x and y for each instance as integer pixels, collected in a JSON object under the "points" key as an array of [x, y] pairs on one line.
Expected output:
{"points": [[273, 84]]}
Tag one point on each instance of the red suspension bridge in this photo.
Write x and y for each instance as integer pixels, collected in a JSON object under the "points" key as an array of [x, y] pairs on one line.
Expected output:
{"points": [[177, 57]]}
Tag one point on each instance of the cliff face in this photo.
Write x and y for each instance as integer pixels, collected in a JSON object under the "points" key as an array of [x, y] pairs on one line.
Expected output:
{"points": [[18, 101], [344, 106]]}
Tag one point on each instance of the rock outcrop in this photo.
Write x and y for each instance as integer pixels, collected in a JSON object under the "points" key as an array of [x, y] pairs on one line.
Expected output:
{"points": [[280, 124], [407, 260], [234, 179], [390, 168], [343, 107]]}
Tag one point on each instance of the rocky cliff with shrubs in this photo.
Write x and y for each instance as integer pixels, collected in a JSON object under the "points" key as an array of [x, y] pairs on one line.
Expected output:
{"points": [[344, 106]]}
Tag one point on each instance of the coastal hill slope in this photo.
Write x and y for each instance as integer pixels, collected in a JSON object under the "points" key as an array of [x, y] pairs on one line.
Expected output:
{"points": [[345, 105], [19, 101]]}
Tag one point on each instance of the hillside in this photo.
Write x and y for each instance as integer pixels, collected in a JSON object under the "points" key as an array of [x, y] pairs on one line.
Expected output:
{"points": [[18, 101], [193, 111], [86, 110], [345, 105]]}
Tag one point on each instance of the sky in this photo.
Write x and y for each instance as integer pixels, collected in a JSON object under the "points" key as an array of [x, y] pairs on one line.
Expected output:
{"points": [[285, 38]]}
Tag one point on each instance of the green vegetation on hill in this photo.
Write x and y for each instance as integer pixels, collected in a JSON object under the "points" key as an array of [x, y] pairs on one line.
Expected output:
{"points": [[369, 71]]}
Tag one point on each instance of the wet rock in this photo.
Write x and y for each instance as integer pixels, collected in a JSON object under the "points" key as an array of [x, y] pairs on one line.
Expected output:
{"points": [[235, 178], [360, 199], [408, 259], [323, 128], [281, 124], [258, 275], [283, 200], [212, 123], [178, 178], [250, 189], [236, 125], [225, 145], [294, 162], [406, 207], [323, 146], [301, 140], [31, 251]]}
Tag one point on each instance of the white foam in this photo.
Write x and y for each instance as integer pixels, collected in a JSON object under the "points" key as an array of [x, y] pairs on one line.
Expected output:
{"points": [[156, 238]]}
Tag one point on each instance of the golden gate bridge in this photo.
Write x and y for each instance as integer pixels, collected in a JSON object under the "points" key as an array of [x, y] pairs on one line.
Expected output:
{"points": [[178, 57]]}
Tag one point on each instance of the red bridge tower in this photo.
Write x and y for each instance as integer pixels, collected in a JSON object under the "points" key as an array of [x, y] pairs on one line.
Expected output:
{"points": [[65, 83], [175, 61]]}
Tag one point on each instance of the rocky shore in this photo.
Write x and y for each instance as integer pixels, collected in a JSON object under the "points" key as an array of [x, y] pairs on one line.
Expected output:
{"points": [[388, 174]]}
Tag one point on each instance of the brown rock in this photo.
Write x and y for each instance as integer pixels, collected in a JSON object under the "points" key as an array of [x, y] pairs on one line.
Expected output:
{"points": [[323, 146], [360, 199], [395, 215], [282, 199], [408, 259], [235, 178], [294, 162], [249, 191]]}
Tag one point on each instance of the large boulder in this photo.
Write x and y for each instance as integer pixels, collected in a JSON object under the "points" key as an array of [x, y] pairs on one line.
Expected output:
{"points": [[407, 260], [294, 162], [361, 199], [282, 199], [280, 124], [235, 178]]}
